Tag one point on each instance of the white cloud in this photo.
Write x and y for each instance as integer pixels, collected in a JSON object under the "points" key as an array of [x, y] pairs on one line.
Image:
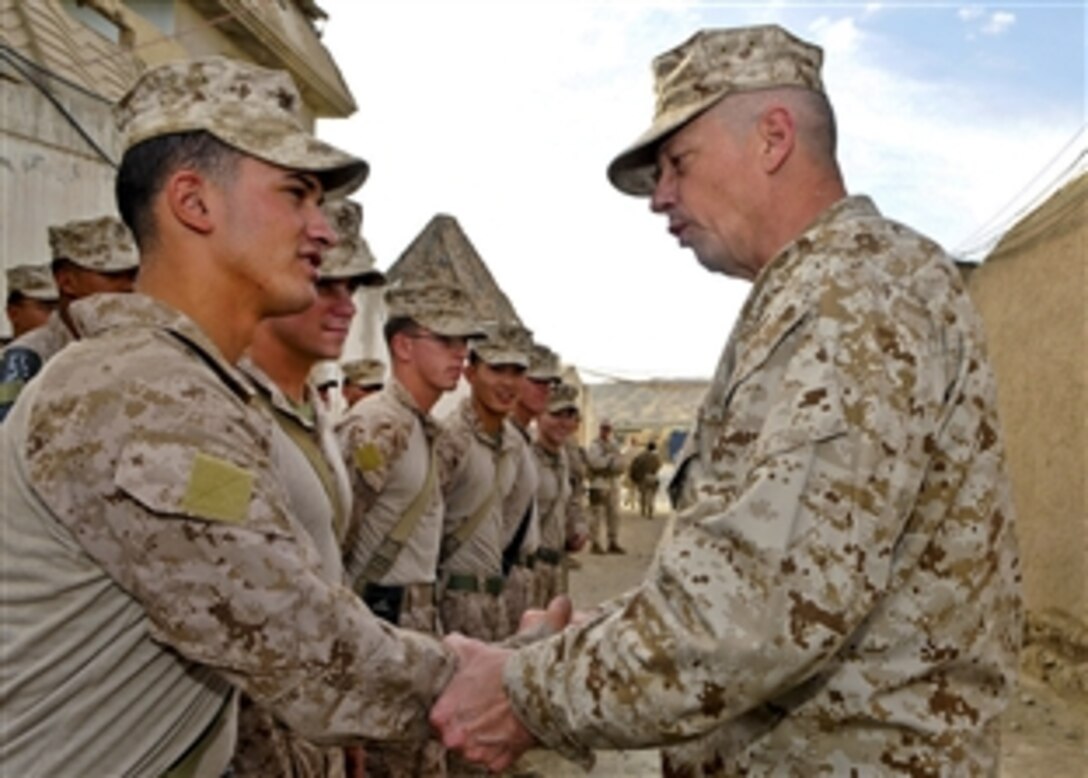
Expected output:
{"points": [[970, 13], [506, 114], [999, 22]]}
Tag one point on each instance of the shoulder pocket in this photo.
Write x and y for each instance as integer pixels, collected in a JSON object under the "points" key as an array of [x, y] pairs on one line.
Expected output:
{"points": [[175, 478]]}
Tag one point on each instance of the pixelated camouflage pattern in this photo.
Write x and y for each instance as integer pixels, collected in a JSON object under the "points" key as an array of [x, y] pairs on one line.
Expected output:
{"points": [[266, 748], [563, 397], [441, 308], [543, 364], [104, 245], [117, 434], [386, 445], [841, 594], [24, 357], [702, 70], [364, 372], [520, 581], [350, 257], [576, 509], [506, 343], [254, 109], [33, 281], [472, 462], [552, 497]]}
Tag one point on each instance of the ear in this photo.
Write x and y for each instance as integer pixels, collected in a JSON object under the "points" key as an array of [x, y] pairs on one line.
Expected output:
{"points": [[189, 199], [67, 280], [777, 137], [400, 347]]}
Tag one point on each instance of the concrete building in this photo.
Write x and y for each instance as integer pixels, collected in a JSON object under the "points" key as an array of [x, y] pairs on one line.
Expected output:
{"points": [[64, 62]]}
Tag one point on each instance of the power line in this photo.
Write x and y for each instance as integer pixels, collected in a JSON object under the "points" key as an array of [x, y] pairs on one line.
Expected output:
{"points": [[999, 223], [6, 53]]}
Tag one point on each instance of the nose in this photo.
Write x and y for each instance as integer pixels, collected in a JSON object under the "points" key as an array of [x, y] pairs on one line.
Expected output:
{"points": [[664, 194], [319, 228]]}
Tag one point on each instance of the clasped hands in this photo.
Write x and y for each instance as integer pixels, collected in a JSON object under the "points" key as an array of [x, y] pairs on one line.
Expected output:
{"points": [[473, 714]]}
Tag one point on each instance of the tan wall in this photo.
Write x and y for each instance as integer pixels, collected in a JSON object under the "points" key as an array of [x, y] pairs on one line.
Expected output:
{"points": [[1032, 293]]}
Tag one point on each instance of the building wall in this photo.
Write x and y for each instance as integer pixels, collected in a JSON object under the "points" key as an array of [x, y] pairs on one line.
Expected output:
{"points": [[1032, 292], [85, 54]]}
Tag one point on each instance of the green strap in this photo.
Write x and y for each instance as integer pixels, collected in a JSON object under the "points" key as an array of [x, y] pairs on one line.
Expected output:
{"points": [[303, 439], [381, 561], [470, 525]]}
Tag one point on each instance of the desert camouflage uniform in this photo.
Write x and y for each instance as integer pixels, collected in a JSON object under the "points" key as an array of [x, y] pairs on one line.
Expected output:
{"points": [[552, 498], [841, 594], [519, 506], [576, 505], [321, 503], [23, 358], [605, 464], [473, 463], [387, 443], [136, 465]]}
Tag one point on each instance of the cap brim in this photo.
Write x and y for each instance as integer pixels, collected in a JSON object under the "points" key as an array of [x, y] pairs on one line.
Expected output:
{"points": [[371, 278], [633, 171], [340, 173], [498, 358], [451, 327]]}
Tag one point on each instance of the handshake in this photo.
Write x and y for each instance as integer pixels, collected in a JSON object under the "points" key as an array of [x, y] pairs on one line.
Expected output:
{"points": [[473, 714]]}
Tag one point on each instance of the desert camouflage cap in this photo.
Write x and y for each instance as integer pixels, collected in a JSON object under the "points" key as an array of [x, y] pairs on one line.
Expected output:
{"points": [[253, 109], [507, 343], [33, 281], [443, 309], [364, 372], [564, 397], [350, 258], [104, 245], [543, 364], [701, 71]]}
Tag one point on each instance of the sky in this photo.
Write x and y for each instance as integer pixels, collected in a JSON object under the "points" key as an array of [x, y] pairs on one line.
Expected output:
{"points": [[955, 118]]}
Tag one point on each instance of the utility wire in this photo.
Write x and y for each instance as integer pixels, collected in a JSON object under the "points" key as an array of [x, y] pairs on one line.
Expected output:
{"points": [[999, 223], [6, 53]]}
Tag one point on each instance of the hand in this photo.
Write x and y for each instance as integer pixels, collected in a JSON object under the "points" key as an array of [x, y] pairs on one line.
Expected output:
{"points": [[542, 623], [473, 715]]}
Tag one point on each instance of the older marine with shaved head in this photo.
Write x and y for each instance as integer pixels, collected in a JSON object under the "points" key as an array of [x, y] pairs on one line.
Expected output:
{"points": [[840, 593]]}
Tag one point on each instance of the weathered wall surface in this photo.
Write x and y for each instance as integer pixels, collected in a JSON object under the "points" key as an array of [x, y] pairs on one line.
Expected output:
{"points": [[1032, 292]]}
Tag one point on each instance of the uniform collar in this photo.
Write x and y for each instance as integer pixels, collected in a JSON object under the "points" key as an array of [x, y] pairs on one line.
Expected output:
{"points": [[101, 313]]}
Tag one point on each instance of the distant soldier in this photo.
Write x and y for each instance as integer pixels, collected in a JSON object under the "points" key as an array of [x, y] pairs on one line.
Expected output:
{"points": [[395, 531], [89, 256], [643, 472], [32, 297], [521, 537], [561, 528], [307, 461], [605, 463], [478, 455], [362, 378]]}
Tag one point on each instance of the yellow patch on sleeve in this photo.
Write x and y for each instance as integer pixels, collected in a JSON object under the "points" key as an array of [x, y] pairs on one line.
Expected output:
{"points": [[368, 457], [218, 490]]}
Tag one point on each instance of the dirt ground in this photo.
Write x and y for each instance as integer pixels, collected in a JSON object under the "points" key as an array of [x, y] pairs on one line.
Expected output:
{"points": [[1044, 733]]}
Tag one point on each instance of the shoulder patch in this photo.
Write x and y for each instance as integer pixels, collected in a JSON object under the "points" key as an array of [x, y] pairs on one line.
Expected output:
{"points": [[218, 490], [368, 457]]}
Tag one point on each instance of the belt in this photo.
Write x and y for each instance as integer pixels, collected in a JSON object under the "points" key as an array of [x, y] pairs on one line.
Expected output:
{"points": [[549, 555], [527, 560], [467, 582]]}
